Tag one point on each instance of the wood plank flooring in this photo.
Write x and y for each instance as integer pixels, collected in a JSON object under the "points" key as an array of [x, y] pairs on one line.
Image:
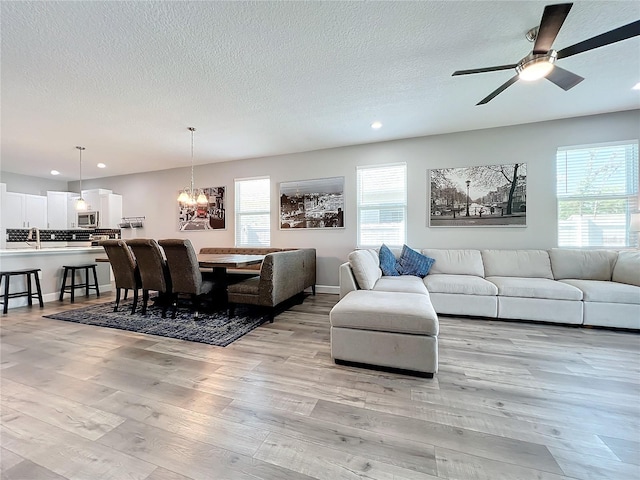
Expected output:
{"points": [[512, 401]]}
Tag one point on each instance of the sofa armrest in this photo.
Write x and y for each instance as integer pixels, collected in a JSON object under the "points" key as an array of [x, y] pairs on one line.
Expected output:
{"points": [[347, 280]]}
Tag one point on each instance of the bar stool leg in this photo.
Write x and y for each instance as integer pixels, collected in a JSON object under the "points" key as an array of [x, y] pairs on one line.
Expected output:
{"points": [[73, 285], [39, 290], [86, 282], [64, 283], [95, 279], [29, 293], [6, 293]]}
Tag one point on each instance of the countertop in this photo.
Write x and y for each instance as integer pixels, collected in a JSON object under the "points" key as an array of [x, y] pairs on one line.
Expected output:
{"points": [[49, 251]]}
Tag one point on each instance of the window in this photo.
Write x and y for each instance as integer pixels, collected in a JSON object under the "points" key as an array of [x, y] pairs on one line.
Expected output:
{"points": [[597, 189], [253, 212], [382, 205]]}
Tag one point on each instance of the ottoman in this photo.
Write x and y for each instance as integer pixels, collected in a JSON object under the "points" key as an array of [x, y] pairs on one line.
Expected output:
{"points": [[392, 330]]}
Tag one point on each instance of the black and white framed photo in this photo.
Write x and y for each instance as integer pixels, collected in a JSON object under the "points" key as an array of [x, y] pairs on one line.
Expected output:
{"points": [[481, 196], [317, 203], [204, 215]]}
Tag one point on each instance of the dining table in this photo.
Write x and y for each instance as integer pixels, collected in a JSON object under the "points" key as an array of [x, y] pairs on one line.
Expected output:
{"points": [[227, 260], [219, 261]]}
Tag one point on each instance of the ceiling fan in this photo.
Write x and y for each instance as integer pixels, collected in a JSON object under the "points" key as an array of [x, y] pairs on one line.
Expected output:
{"points": [[540, 63]]}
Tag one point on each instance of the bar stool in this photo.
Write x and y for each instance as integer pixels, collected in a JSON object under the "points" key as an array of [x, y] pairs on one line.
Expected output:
{"points": [[6, 277], [86, 284]]}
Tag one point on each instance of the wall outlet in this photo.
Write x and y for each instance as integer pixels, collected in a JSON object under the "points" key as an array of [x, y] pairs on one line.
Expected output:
{"points": [[73, 236], [53, 236]]}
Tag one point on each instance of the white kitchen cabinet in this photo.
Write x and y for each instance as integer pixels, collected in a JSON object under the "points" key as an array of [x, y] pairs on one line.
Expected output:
{"points": [[13, 210], [61, 212], [35, 211], [92, 198], [22, 210], [110, 210]]}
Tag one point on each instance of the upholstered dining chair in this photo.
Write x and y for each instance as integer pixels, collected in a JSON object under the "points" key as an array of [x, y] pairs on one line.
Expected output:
{"points": [[154, 271], [125, 270], [186, 278]]}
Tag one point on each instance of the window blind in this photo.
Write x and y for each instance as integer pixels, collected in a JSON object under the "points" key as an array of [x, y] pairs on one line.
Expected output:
{"points": [[253, 212], [597, 192], [382, 205]]}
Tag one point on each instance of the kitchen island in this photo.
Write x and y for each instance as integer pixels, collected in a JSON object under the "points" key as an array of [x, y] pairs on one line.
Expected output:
{"points": [[50, 261]]}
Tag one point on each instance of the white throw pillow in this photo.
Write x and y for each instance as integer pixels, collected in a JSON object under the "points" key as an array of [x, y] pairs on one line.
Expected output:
{"points": [[627, 269], [366, 267]]}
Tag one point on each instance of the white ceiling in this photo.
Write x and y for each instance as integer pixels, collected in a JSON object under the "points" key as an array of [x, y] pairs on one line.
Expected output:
{"points": [[126, 79]]}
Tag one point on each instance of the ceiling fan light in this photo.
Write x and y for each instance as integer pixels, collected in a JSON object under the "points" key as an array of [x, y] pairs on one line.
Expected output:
{"points": [[534, 67]]}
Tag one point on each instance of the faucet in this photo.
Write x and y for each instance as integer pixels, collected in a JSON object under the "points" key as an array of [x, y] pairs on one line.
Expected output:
{"points": [[30, 236]]}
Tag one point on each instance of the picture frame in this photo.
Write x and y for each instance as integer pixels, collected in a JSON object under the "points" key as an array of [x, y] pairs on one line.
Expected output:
{"points": [[204, 217], [478, 196], [312, 204]]}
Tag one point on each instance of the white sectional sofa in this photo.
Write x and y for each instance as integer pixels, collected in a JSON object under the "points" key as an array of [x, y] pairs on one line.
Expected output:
{"points": [[583, 287]]}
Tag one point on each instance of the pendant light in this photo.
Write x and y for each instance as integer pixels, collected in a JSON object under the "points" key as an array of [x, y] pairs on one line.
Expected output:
{"points": [[81, 204], [190, 195]]}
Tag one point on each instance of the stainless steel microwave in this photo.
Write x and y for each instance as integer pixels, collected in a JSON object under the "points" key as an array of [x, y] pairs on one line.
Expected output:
{"points": [[87, 219]]}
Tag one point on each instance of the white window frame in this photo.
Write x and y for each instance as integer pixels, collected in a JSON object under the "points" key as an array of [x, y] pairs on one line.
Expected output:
{"points": [[239, 214], [622, 235], [388, 206]]}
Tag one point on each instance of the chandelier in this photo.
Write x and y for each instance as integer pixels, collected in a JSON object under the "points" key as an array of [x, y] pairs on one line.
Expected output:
{"points": [[191, 195], [81, 205]]}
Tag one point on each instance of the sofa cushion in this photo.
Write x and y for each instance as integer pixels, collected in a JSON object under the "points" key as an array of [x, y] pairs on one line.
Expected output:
{"points": [[249, 286], [527, 287], [388, 262], [455, 262], [582, 264], [414, 263], [404, 283], [462, 284], [517, 263], [627, 269], [607, 292], [366, 267], [386, 312]]}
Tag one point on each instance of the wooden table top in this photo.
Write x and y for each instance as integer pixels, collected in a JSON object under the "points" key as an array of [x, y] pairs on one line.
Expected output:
{"points": [[219, 260], [227, 260]]}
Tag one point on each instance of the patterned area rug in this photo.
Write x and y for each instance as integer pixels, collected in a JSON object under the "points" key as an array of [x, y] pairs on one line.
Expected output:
{"points": [[214, 328]]}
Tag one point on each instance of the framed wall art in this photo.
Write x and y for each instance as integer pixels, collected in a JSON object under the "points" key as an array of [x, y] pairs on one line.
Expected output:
{"points": [[481, 196], [204, 216], [317, 203]]}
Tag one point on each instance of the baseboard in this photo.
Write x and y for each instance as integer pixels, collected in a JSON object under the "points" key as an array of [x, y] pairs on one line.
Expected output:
{"points": [[332, 289]]}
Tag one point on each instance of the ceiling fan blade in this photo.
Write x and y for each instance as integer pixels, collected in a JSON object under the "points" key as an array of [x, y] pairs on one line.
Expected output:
{"points": [[565, 79], [483, 70], [612, 36], [498, 90], [552, 19]]}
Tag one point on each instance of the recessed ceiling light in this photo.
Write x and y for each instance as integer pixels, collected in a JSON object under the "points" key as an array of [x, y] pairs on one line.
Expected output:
{"points": [[102, 165], [55, 172], [636, 86], [376, 125]]}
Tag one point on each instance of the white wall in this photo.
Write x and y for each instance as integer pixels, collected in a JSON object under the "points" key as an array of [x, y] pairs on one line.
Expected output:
{"points": [[32, 185], [153, 194]]}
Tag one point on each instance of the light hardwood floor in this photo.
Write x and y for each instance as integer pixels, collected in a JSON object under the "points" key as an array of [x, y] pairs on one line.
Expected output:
{"points": [[511, 401]]}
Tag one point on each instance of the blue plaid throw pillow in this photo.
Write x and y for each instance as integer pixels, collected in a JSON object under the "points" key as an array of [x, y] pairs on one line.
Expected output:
{"points": [[388, 262], [414, 263]]}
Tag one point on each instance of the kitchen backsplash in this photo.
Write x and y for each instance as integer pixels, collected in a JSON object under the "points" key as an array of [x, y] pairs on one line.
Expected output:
{"points": [[20, 234]]}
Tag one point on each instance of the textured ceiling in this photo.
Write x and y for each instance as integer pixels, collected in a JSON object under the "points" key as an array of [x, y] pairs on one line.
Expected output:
{"points": [[126, 79]]}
